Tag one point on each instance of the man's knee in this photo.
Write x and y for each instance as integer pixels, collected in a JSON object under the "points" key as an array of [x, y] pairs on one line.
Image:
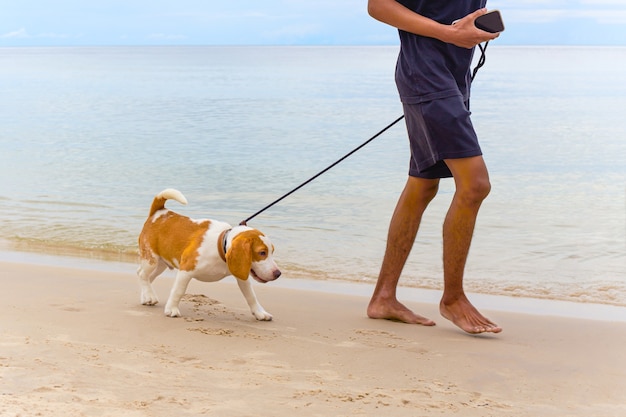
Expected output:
{"points": [[475, 191], [471, 178]]}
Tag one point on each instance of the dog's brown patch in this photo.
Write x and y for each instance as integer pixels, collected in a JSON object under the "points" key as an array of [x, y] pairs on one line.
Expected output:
{"points": [[183, 238]]}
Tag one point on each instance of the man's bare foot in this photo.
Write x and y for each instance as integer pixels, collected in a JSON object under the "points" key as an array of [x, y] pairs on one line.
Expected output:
{"points": [[396, 311], [463, 314]]}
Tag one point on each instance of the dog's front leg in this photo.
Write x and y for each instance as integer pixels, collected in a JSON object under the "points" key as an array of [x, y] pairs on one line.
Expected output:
{"points": [[178, 290], [248, 292]]}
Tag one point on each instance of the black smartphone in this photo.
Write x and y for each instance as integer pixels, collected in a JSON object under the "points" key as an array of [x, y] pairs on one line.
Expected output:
{"points": [[490, 22]]}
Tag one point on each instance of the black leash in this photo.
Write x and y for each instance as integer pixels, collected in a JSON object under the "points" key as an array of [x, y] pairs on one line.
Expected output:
{"points": [[481, 60], [480, 63], [323, 171]]}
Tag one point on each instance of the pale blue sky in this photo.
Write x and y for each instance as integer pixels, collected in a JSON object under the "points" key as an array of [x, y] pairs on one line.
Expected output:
{"points": [[282, 22]]}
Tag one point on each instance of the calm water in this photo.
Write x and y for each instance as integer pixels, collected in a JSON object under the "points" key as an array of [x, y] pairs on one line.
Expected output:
{"points": [[89, 135]]}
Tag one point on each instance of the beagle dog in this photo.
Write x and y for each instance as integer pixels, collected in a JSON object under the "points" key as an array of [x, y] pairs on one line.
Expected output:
{"points": [[207, 250]]}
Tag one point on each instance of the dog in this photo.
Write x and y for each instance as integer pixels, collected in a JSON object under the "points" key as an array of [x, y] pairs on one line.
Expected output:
{"points": [[207, 250]]}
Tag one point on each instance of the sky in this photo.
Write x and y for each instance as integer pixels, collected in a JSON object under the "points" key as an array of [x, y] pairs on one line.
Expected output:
{"points": [[282, 22]]}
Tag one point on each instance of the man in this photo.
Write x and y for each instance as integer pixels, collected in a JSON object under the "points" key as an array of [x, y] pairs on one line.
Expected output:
{"points": [[437, 39]]}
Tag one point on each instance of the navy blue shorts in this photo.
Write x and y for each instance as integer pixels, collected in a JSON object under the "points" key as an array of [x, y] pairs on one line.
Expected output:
{"points": [[439, 129]]}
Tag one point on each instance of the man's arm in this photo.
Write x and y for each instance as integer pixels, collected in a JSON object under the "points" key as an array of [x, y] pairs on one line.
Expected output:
{"points": [[463, 33]]}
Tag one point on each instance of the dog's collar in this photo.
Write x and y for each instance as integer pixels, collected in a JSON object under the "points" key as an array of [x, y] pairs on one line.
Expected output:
{"points": [[221, 243]]}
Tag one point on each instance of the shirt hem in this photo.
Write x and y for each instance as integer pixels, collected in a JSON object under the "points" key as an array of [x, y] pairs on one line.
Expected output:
{"points": [[430, 97]]}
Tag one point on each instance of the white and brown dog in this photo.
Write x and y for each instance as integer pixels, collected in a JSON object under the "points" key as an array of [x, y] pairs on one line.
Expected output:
{"points": [[207, 250]]}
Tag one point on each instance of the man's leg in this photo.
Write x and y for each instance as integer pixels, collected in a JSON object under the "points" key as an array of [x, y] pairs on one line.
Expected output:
{"points": [[472, 187], [405, 222]]}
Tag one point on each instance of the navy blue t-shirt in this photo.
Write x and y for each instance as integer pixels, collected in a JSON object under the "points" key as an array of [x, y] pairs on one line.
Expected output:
{"points": [[428, 69]]}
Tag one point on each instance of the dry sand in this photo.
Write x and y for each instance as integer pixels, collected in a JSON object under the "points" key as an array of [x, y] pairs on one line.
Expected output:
{"points": [[76, 342]]}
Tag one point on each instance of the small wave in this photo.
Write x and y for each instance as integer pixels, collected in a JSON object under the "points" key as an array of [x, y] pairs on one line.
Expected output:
{"points": [[107, 253], [599, 292], [64, 203]]}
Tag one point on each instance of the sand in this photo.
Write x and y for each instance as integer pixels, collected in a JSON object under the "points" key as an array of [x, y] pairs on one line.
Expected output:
{"points": [[75, 341]]}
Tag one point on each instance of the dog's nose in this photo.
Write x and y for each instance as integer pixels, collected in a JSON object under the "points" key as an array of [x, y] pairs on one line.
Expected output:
{"points": [[276, 274]]}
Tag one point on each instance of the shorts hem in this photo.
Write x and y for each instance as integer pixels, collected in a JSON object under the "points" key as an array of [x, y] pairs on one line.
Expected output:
{"points": [[438, 168]]}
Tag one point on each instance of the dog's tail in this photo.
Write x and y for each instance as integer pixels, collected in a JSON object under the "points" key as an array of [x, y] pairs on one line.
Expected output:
{"points": [[168, 194]]}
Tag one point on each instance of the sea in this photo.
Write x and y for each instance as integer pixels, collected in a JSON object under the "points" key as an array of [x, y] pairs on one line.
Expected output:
{"points": [[89, 135]]}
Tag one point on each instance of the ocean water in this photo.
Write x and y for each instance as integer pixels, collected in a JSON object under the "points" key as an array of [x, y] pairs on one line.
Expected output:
{"points": [[89, 135]]}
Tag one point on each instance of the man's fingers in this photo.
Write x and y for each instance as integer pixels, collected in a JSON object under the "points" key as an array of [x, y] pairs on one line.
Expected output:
{"points": [[477, 13]]}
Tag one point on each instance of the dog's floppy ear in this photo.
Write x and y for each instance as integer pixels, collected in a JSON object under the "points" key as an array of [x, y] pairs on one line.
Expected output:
{"points": [[239, 257]]}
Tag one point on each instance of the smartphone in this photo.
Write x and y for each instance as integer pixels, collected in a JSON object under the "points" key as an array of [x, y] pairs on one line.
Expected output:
{"points": [[490, 22]]}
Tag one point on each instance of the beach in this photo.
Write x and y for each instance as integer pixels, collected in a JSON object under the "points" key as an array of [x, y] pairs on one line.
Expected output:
{"points": [[90, 135], [76, 342]]}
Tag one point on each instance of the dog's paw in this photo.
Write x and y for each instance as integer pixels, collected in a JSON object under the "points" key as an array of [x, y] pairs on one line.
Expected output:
{"points": [[149, 298], [149, 301], [172, 311], [262, 315]]}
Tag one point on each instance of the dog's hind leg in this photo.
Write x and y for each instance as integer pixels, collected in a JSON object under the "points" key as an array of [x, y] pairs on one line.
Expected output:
{"points": [[148, 271], [178, 290], [255, 308]]}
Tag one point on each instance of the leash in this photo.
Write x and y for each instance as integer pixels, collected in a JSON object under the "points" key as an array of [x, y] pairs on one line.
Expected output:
{"points": [[244, 222], [480, 63]]}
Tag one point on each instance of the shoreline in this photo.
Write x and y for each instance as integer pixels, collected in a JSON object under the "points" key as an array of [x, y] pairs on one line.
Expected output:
{"points": [[78, 342], [521, 305]]}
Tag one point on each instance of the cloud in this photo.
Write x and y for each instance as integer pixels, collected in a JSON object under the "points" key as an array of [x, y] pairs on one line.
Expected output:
{"points": [[293, 32], [604, 12], [603, 2], [166, 37], [553, 4], [559, 15], [614, 17], [20, 33], [23, 34], [53, 35]]}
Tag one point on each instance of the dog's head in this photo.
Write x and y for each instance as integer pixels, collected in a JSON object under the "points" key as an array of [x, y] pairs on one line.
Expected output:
{"points": [[250, 253]]}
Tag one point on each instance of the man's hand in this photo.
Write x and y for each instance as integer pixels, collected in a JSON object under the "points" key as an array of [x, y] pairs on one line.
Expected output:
{"points": [[465, 34]]}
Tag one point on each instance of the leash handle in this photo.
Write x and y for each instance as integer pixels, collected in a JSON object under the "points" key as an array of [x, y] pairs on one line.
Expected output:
{"points": [[481, 60], [244, 222]]}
